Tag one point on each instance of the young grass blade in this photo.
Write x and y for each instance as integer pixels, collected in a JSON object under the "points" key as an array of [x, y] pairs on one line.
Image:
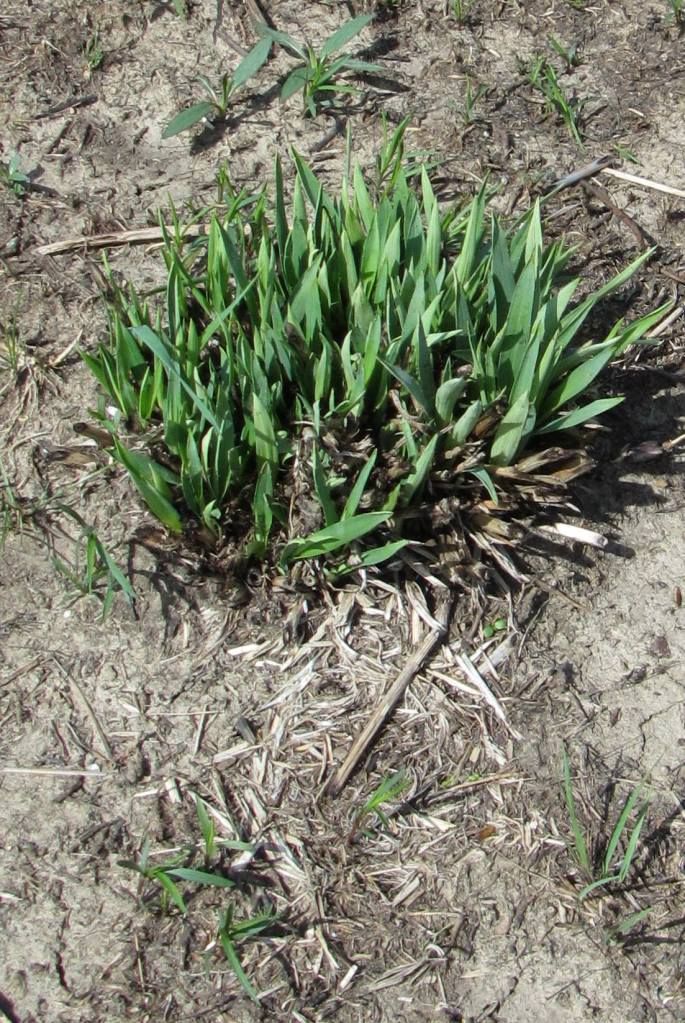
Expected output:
{"points": [[484, 477], [188, 118], [632, 844], [295, 82], [265, 438], [323, 492], [255, 59], [446, 397], [332, 538], [235, 964], [171, 890], [200, 877], [160, 351], [410, 487], [626, 925], [207, 827], [578, 837], [515, 424], [283, 39], [357, 492], [344, 34], [577, 381], [149, 479], [375, 556], [578, 416]]}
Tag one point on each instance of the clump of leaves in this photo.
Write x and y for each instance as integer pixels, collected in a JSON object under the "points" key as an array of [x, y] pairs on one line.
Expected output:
{"points": [[218, 99], [358, 357], [166, 876], [318, 75], [172, 877], [614, 859], [617, 857], [569, 108]]}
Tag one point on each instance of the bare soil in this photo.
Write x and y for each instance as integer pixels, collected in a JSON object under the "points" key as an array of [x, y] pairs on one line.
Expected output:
{"points": [[465, 907]]}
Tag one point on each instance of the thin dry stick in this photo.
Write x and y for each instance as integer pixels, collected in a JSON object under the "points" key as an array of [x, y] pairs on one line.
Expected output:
{"points": [[390, 701], [137, 236], [22, 670], [644, 182], [54, 772], [89, 709]]}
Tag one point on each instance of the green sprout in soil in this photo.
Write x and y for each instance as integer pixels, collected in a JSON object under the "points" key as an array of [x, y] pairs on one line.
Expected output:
{"points": [[611, 866], [232, 932], [94, 571], [174, 882], [569, 54], [216, 106], [318, 74], [471, 97], [677, 8], [93, 53], [461, 9], [365, 355], [14, 176], [545, 80], [389, 790]]}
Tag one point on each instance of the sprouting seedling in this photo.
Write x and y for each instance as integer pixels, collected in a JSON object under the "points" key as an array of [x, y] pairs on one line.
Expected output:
{"points": [[677, 12], [215, 107], [166, 875], [207, 829], [232, 932], [569, 54], [94, 567], [317, 75], [93, 53], [14, 176], [471, 97], [491, 628], [387, 791], [543, 77], [461, 10], [613, 868]]}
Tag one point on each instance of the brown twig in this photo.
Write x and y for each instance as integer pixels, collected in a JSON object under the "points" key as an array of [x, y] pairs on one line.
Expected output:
{"points": [[136, 236], [390, 700], [642, 236]]}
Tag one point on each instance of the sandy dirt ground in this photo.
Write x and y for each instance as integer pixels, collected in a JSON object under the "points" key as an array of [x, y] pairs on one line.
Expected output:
{"points": [[465, 906]]}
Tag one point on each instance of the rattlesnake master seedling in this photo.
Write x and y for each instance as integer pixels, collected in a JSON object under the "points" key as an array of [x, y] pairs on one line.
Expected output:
{"points": [[357, 355]]}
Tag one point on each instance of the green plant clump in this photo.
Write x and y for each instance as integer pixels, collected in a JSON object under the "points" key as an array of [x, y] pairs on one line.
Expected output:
{"points": [[368, 352]]}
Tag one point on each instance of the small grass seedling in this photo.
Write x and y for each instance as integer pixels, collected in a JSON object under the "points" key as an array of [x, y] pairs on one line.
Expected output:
{"points": [[93, 53], [215, 107], [10, 346], [677, 8], [544, 79], [625, 153], [471, 97], [232, 932], [461, 10], [612, 867], [166, 876], [318, 75], [14, 176], [569, 54], [389, 790], [94, 569]]}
